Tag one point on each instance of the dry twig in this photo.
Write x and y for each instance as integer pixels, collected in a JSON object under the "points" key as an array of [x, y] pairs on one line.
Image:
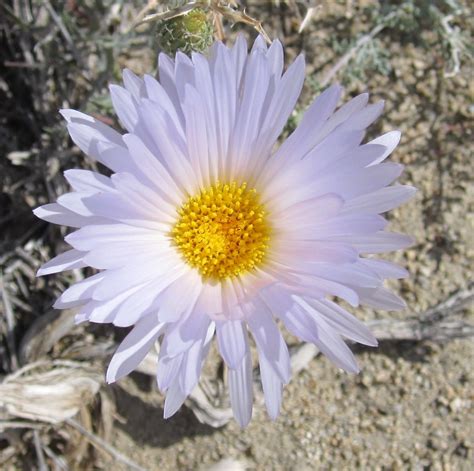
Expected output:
{"points": [[103, 446], [48, 391], [64, 31], [39, 451], [12, 424], [57, 460], [164, 15], [455, 45], [10, 317], [310, 13], [350, 54]]}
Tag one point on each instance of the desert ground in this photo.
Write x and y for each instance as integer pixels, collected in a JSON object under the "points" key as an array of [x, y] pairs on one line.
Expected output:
{"points": [[411, 407]]}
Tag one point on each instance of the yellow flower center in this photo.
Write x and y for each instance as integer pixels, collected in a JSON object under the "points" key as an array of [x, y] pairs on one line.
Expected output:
{"points": [[223, 231]]}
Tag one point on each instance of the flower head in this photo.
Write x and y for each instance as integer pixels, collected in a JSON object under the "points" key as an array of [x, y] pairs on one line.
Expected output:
{"points": [[204, 228]]}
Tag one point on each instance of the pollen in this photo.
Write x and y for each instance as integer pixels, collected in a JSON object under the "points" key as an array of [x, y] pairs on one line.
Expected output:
{"points": [[223, 231]]}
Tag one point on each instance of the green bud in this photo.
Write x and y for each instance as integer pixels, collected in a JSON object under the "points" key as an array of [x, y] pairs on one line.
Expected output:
{"points": [[192, 31]]}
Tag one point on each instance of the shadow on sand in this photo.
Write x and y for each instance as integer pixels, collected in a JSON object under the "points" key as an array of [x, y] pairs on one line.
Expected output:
{"points": [[145, 424]]}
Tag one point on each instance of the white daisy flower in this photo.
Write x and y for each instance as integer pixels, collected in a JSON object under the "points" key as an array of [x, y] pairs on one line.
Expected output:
{"points": [[205, 228]]}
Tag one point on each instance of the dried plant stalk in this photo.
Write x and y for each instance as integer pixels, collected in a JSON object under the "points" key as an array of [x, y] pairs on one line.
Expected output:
{"points": [[49, 392]]}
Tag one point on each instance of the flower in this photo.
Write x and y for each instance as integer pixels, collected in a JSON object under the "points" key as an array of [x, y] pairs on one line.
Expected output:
{"points": [[204, 228]]}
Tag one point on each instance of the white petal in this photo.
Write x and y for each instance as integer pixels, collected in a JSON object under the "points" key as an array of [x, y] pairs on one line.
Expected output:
{"points": [[338, 226], [385, 269], [330, 343], [333, 288], [125, 208], [225, 92], [234, 295], [159, 205], [379, 242], [145, 300], [133, 84], [168, 143], [168, 369], [270, 342], [64, 261], [104, 312], [275, 58], [184, 333], [124, 106], [353, 274], [239, 56], [355, 159], [207, 110], [306, 135], [175, 398], [91, 237], [241, 391], [379, 201], [382, 298], [281, 106], [69, 115], [57, 214], [78, 293], [314, 209], [80, 318], [355, 183], [152, 169], [365, 117], [184, 73], [118, 158], [232, 341], [134, 348], [197, 136], [344, 158], [211, 299], [333, 347], [298, 317], [304, 253], [337, 143], [87, 181], [87, 133], [181, 296], [188, 374], [272, 387], [74, 201], [166, 75], [343, 322], [298, 322], [157, 93], [133, 274], [350, 224], [190, 369], [259, 44], [344, 113], [255, 86], [119, 254], [390, 140]]}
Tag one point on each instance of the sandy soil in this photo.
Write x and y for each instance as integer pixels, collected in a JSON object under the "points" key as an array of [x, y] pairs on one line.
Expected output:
{"points": [[410, 408]]}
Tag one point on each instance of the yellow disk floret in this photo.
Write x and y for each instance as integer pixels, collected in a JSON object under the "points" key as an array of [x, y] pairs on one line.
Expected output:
{"points": [[223, 231]]}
